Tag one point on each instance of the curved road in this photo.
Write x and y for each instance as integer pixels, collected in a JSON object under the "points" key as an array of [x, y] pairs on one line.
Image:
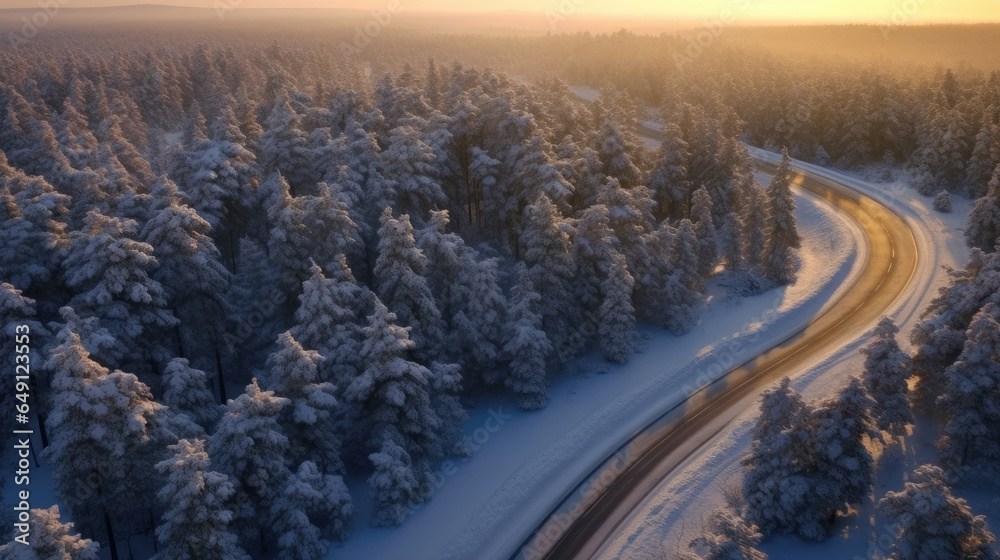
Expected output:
{"points": [[653, 456]]}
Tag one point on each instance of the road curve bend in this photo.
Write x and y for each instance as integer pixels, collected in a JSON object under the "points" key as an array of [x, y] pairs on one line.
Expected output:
{"points": [[590, 514]]}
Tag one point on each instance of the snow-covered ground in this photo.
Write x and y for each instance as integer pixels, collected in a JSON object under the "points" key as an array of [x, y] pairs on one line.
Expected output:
{"points": [[525, 462], [586, 93], [672, 515]]}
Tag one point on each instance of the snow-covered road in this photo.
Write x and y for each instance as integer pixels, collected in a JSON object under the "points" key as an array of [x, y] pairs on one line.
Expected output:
{"points": [[671, 515], [586, 520]]}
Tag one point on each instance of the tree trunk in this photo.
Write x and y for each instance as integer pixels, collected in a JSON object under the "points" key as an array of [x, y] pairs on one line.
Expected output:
{"points": [[31, 446], [180, 339], [222, 378], [232, 251], [112, 545], [41, 430], [152, 524]]}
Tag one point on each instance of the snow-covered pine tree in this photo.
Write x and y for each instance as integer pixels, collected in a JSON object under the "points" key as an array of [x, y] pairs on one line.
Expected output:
{"points": [[735, 168], [327, 321], [433, 88], [50, 539], [629, 214], [31, 220], [106, 424], [933, 522], [774, 492], [110, 275], [594, 243], [972, 434], [822, 158], [401, 285], [944, 149], [249, 446], [317, 226], [841, 472], [445, 253], [446, 385], [530, 174], [311, 508], [671, 288], [103, 347], [408, 164], [984, 160], [188, 260], [983, 231], [668, 181], [480, 312], [940, 337], [652, 269], [887, 369], [615, 157], [585, 176], [187, 390], [76, 140], [110, 135], [361, 154], [526, 344], [617, 316], [219, 172], [284, 147], [272, 196], [115, 180], [392, 397], [197, 517], [293, 373], [546, 250], [942, 202], [754, 227], [158, 152], [704, 230], [782, 234], [31, 144], [157, 94], [393, 483], [731, 238], [854, 138], [685, 256], [195, 130]]}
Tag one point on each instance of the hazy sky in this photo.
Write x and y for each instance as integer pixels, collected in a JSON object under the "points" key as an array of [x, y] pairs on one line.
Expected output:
{"points": [[914, 11]]}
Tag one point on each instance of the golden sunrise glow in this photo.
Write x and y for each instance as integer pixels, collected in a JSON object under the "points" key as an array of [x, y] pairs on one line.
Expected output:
{"points": [[749, 11]]}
